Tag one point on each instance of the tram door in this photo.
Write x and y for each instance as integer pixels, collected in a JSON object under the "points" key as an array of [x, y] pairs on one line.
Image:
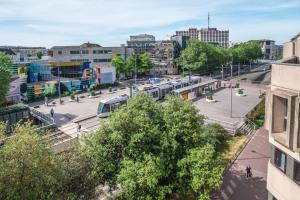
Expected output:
{"points": [[185, 96]]}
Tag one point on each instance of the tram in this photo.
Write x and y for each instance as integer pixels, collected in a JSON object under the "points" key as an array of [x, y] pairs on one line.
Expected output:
{"points": [[107, 106]]}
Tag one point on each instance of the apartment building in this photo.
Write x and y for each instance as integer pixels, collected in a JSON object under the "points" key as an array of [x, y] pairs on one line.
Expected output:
{"points": [[163, 57], [142, 43], [269, 49], [191, 32], [283, 124], [209, 35]]}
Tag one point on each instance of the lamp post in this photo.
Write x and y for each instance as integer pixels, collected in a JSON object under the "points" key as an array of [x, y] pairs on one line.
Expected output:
{"points": [[230, 100]]}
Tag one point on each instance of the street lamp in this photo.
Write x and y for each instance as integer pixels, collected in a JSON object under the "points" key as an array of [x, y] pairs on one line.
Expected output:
{"points": [[59, 87]]}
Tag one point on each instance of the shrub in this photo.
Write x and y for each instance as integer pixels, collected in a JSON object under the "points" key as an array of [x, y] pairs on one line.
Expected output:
{"points": [[240, 91], [237, 85], [110, 89], [210, 96], [93, 93]]}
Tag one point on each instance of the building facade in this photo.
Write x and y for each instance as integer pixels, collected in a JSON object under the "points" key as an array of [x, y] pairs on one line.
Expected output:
{"points": [[163, 57], [142, 43], [214, 36], [269, 49], [283, 123], [99, 57], [209, 35], [23, 54]]}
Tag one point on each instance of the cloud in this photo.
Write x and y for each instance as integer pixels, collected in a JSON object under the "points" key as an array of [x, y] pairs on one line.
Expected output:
{"points": [[110, 22]]}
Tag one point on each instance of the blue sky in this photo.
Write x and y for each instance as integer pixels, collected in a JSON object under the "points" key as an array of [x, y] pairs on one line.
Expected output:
{"points": [[110, 22]]}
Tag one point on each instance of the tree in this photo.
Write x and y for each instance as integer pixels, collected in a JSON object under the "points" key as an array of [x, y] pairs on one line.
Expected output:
{"points": [[144, 63], [194, 57], [119, 64], [29, 169], [5, 64], [39, 55], [143, 145]]}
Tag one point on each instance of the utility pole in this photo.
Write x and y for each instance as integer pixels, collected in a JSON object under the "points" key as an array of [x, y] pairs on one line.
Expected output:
{"points": [[230, 100], [59, 92], [222, 72], [135, 69]]}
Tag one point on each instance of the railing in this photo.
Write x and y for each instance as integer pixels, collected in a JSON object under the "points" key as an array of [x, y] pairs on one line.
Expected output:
{"points": [[230, 127], [42, 117]]}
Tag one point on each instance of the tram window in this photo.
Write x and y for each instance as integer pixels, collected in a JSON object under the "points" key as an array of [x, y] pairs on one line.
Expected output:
{"points": [[115, 106], [155, 94], [106, 108]]}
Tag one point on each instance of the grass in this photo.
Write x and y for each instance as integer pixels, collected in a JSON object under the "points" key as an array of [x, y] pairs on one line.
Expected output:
{"points": [[231, 146]]}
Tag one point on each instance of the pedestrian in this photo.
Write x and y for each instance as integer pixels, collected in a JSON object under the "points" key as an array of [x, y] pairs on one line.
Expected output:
{"points": [[78, 127], [52, 112], [77, 99], [46, 101], [248, 172]]}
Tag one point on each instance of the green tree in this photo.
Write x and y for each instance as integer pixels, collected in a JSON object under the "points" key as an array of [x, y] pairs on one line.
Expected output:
{"points": [[39, 55], [200, 171], [144, 63], [29, 169], [143, 144], [5, 64], [119, 64], [194, 57]]}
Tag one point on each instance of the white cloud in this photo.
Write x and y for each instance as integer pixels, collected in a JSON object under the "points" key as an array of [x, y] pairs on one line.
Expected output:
{"points": [[110, 22]]}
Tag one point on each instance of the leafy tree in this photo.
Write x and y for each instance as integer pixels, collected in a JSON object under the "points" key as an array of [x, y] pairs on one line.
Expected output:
{"points": [[194, 57], [5, 63], [29, 169], [146, 145], [39, 55], [144, 63], [76, 173], [131, 63], [200, 171], [119, 64]]}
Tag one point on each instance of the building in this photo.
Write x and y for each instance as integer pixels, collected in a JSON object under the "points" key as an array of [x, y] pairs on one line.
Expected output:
{"points": [[181, 40], [209, 35], [142, 43], [163, 57], [99, 57], [269, 49], [283, 123], [214, 36], [23, 54]]}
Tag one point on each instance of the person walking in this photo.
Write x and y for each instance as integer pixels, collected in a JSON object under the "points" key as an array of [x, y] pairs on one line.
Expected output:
{"points": [[248, 172], [78, 127], [52, 112], [46, 101], [77, 99]]}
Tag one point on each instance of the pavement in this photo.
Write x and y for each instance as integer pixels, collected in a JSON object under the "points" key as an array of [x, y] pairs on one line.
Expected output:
{"points": [[220, 110], [236, 186]]}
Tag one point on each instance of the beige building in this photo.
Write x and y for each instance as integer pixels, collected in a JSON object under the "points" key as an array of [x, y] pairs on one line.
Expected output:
{"points": [[209, 35], [283, 123]]}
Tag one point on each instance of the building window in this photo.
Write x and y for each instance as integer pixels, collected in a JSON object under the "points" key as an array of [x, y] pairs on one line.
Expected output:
{"points": [[297, 172], [102, 60], [280, 114], [85, 51], [74, 52], [102, 52], [59, 52], [280, 160]]}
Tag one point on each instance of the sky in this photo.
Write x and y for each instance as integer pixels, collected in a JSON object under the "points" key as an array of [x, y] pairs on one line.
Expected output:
{"points": [[111, 22]]}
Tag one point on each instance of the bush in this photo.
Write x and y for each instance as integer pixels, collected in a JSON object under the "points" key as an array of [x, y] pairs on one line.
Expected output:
{"points": [[237, 85], [93, 93], [110, 89], [240, 91], [210, 96]]}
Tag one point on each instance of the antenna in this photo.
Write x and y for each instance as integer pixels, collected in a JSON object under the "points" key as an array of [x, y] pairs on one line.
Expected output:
{"points": [[208, 21]]}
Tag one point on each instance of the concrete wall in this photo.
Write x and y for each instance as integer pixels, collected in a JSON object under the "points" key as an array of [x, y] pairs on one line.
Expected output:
{"points": [[286, 76], [280, 185], [287, 50]]}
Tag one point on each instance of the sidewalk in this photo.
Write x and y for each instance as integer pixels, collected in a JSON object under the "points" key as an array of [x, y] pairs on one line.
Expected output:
{"points": [[235, 184]]}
